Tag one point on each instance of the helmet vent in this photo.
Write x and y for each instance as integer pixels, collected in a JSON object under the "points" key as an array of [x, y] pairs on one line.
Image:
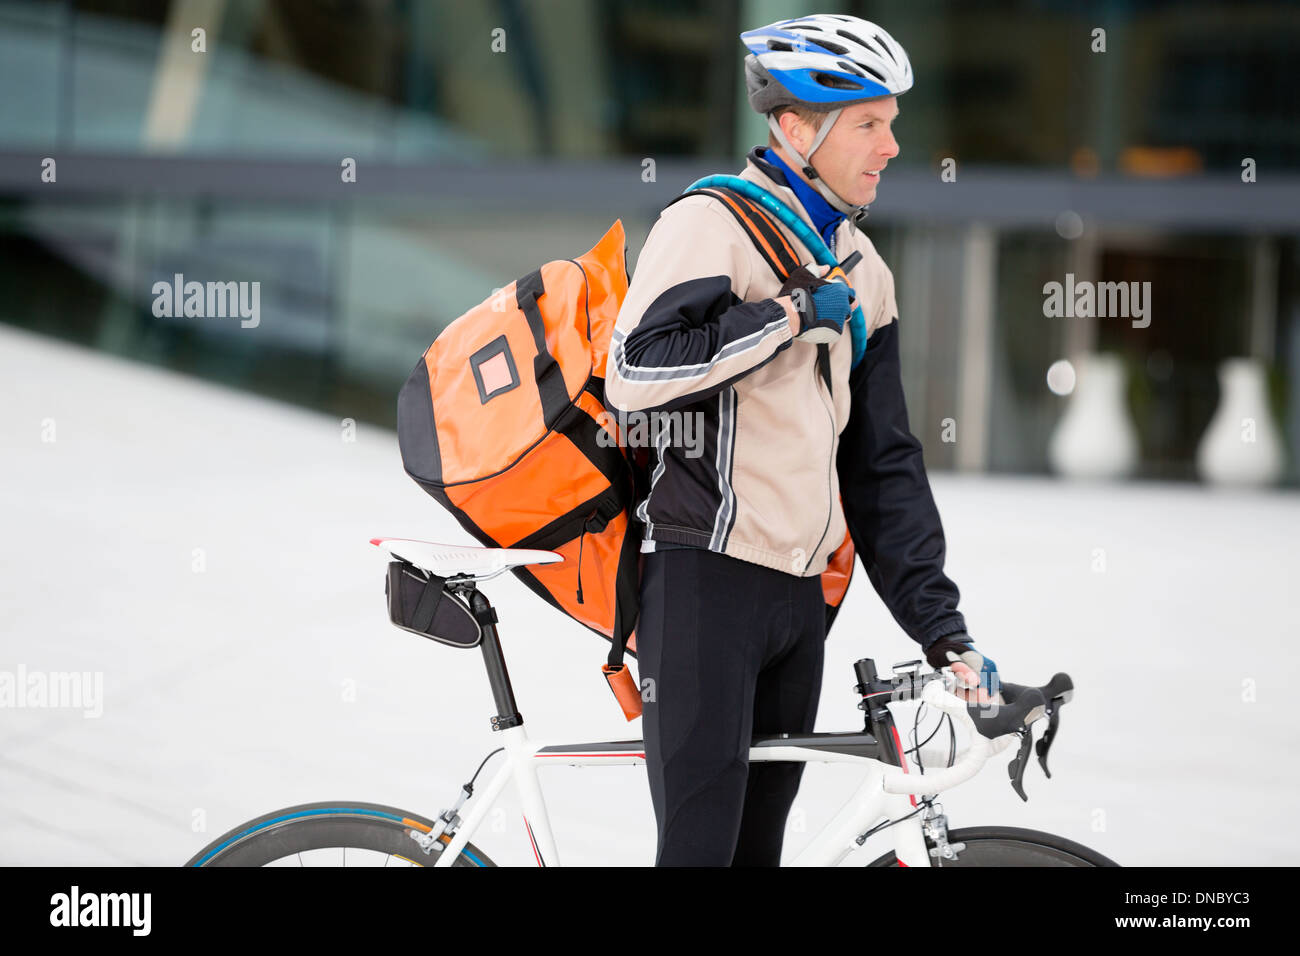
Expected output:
{"points": [[836, 82], [833, 47], [885, 46], [875, 73], [849, 36], [779, 45]]}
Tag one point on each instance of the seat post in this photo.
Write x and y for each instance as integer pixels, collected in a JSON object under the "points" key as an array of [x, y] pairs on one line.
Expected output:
{"points": [[503, 695]]}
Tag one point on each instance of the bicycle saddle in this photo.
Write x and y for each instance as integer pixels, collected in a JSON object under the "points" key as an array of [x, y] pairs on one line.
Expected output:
{"points": [[446, 560]]}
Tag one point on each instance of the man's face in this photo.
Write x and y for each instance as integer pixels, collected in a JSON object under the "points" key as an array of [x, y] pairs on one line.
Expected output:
{"points": [[855, 152]]}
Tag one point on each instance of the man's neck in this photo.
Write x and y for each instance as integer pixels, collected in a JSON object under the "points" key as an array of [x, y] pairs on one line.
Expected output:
{"points": [[824, 216], [796, 168]]}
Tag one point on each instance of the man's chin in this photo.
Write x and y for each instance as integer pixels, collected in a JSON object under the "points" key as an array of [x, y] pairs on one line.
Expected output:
{"points": [[861, 197], [866, 195]]}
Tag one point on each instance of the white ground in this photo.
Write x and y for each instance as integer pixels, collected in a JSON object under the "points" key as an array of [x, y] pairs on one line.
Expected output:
{"points": [[272, 677]]}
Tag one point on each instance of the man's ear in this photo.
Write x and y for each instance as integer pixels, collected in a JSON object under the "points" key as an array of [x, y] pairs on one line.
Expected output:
{"points": [[793, 130]]}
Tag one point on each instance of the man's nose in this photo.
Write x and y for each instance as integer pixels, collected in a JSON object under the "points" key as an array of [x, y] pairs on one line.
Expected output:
{"points": [[890, 147]]}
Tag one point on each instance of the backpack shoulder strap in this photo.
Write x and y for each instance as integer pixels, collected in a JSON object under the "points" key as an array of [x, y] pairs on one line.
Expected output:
{"points": [[771, 244], [758, 224]]}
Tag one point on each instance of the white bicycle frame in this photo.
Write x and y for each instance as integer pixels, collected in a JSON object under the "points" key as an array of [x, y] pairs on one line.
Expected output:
{"points": [[886, 792]]}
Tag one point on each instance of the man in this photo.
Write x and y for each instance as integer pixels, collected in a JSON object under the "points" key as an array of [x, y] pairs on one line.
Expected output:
{"points": [[732, 620]]}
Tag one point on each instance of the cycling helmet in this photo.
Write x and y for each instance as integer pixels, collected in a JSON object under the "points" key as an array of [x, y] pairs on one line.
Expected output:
{"points": [[824, 63]]}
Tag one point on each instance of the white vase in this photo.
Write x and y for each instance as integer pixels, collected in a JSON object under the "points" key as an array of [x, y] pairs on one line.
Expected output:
{"points": [[1095, 437], [1242, 445]]}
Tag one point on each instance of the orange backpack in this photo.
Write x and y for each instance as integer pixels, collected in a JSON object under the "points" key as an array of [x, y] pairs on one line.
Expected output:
{"points": [[503, 421]]}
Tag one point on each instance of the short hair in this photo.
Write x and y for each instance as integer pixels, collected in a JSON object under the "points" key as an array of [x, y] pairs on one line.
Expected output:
{"points": [[814, 118]]}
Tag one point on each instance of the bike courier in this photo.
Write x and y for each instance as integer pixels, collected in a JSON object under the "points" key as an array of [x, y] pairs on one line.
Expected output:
{"points": [[732, 618]]}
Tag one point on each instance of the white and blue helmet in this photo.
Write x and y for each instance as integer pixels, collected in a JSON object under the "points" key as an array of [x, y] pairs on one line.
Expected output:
{"points": [[823, 63]]}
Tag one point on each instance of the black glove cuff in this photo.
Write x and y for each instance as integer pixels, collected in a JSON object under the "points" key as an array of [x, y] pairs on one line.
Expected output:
{"points": [[801, 278], [936, 655]]}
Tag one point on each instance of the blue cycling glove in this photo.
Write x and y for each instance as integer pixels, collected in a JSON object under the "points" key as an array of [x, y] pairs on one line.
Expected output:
{"points": [[959, 647], [823, 304]]}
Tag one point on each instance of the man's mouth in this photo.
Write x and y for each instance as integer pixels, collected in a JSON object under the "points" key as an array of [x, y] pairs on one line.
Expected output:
{"points": [[874, 173]]}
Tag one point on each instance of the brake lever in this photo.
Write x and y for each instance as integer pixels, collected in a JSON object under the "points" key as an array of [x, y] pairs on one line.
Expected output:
{"points": [[1045, 742], [1016, 768]]}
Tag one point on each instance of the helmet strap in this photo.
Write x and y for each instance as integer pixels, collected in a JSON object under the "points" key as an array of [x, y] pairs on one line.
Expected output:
{"points": [[855, 214]]}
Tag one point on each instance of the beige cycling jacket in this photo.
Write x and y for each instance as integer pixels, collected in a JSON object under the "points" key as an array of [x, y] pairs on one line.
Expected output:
{"points": [[702, 331]]}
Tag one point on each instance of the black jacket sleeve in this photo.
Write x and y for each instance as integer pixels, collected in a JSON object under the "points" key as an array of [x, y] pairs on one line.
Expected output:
{"points": [[684, 332], [690, 332], [888, 505]]}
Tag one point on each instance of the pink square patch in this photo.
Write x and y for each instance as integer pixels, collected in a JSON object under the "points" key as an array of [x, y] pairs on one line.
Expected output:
{"points": [[495, 373]]}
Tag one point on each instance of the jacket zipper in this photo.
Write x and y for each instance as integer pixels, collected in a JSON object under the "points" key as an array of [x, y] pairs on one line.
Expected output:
{"points": [[830, 415]]}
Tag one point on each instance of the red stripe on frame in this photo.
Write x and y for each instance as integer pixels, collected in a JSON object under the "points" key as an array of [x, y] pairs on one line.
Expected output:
{"points": [[902, 759], [537, 856]]}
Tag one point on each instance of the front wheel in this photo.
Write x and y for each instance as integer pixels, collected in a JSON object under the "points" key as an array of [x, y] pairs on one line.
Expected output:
{"points": [[333, 833], [1011, 846]]}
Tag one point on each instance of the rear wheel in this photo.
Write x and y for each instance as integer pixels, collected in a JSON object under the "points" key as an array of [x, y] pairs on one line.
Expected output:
{"points": [[333, 833], [1011, 846]]}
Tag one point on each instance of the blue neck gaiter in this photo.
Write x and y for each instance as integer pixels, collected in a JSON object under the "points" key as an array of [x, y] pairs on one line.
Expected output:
{"points": [[824, 216]]}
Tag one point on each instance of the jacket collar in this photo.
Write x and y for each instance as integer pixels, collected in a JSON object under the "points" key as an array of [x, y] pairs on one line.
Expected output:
{"points": [[763, 173]]}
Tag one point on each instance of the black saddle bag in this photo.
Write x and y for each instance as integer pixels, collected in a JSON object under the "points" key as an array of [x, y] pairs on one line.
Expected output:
{"points": [[418, 602]]}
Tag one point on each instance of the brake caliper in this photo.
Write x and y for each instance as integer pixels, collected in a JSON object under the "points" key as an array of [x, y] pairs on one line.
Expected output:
{"points": [[935, 827], [446, 824]]}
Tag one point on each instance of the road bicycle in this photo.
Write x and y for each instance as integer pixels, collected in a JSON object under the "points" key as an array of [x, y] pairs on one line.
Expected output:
{"points": [[897, 791]]}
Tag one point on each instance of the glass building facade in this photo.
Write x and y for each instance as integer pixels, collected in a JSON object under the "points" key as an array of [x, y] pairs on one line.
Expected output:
{"points": [[1122, 141]]}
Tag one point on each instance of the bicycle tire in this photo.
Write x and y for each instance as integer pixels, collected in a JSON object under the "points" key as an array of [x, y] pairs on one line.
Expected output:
{"points": [[331, 824], [1011, 846]]}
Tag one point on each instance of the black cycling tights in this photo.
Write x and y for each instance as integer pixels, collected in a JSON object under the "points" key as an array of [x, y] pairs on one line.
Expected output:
{"points": [[733, 649]]}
